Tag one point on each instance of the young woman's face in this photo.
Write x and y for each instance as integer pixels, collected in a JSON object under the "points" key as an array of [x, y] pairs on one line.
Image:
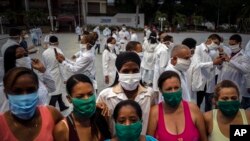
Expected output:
{"points": [[20, 52], [127, 115], [171, 85], [82, 90], [138, 48], [130, 67], [25, 84], [113, 42], [228, 94]]}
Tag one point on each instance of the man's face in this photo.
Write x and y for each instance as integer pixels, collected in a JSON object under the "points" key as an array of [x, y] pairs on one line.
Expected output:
{"points": [[233, 42], [216, 41]]}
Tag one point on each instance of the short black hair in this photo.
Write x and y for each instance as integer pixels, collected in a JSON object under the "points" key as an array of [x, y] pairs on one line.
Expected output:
{"points": [[236, 37], [131, 103], [167, 75], [125, 57], [53, 39], [214, 37], [131, 45], [14, 32], [152, 38], [189, 42], [167, 38], [75, 79]]}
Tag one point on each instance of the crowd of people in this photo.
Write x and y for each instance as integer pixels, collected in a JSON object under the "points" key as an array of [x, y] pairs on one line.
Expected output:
{"points": [[155, 88]]}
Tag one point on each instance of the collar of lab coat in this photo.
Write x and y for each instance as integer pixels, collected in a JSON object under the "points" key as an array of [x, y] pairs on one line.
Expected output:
{"points": [[52, 46], [118, 91], [204, 47]]}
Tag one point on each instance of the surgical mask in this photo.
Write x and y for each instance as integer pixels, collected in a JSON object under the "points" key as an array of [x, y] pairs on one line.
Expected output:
{"points": [[213, 53], [212, 46], [24, 62], [129, 81], [140, 54], [173, 99], [235, 48], [229, 108], [171, 45], [111, 46], [23, 106], [124, 28], [130, 132], [182, 64], [84, 108], [83, 47]]}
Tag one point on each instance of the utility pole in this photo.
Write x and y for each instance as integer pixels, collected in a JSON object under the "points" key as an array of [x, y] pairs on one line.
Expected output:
{"points": [[50, 15], [26, 5], [84, 13], [79, 14]]}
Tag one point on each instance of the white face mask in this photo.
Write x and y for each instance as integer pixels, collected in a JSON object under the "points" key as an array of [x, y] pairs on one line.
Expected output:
{"points": [[111, 46], [212, 46], [123, 28], [182, 64], [23, 62], [171, 45], [140, 54], [235, 48], [129, 81], [83, 47]]}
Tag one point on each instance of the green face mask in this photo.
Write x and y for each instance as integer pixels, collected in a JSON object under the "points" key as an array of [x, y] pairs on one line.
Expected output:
{"points": [[173, 99], [130, 132], [229, 108], [84, 107]]}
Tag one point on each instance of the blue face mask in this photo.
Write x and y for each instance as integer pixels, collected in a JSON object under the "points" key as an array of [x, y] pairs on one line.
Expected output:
{"points": [[23, 106]]}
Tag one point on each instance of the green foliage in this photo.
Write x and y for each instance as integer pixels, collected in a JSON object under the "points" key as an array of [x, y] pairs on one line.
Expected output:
{"points": [[180, 18]]}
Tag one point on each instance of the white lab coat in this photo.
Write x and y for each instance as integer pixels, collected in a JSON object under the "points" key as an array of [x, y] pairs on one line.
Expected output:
{"points": [[124, 39], [54, 68], [108, 65], [184, 84], [235, 70], [8, 43], [148, 56], [84, 64], [99, 35], [162, 56], [134, 37], [203, 71]]}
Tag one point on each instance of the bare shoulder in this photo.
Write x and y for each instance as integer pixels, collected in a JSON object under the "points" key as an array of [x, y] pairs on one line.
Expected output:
{"points": [[208, 116], [57, 116], [61, 131], [193, 107]]}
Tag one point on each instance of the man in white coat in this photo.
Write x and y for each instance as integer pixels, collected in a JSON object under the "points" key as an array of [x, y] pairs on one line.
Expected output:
{"points": [[124, 38], [205, 60], [180, 62], [162, 56], [98, 40], [56, 71], [236, 65]]}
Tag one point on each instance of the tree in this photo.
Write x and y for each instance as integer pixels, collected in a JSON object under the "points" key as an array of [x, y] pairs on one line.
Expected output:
{"points": [[138, 4]]}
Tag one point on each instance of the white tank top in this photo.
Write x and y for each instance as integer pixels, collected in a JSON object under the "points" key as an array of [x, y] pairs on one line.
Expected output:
{"points": [[216, 134]]}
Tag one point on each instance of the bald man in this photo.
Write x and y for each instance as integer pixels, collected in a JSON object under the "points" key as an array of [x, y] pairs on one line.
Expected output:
{"points": [[180, 62]]}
